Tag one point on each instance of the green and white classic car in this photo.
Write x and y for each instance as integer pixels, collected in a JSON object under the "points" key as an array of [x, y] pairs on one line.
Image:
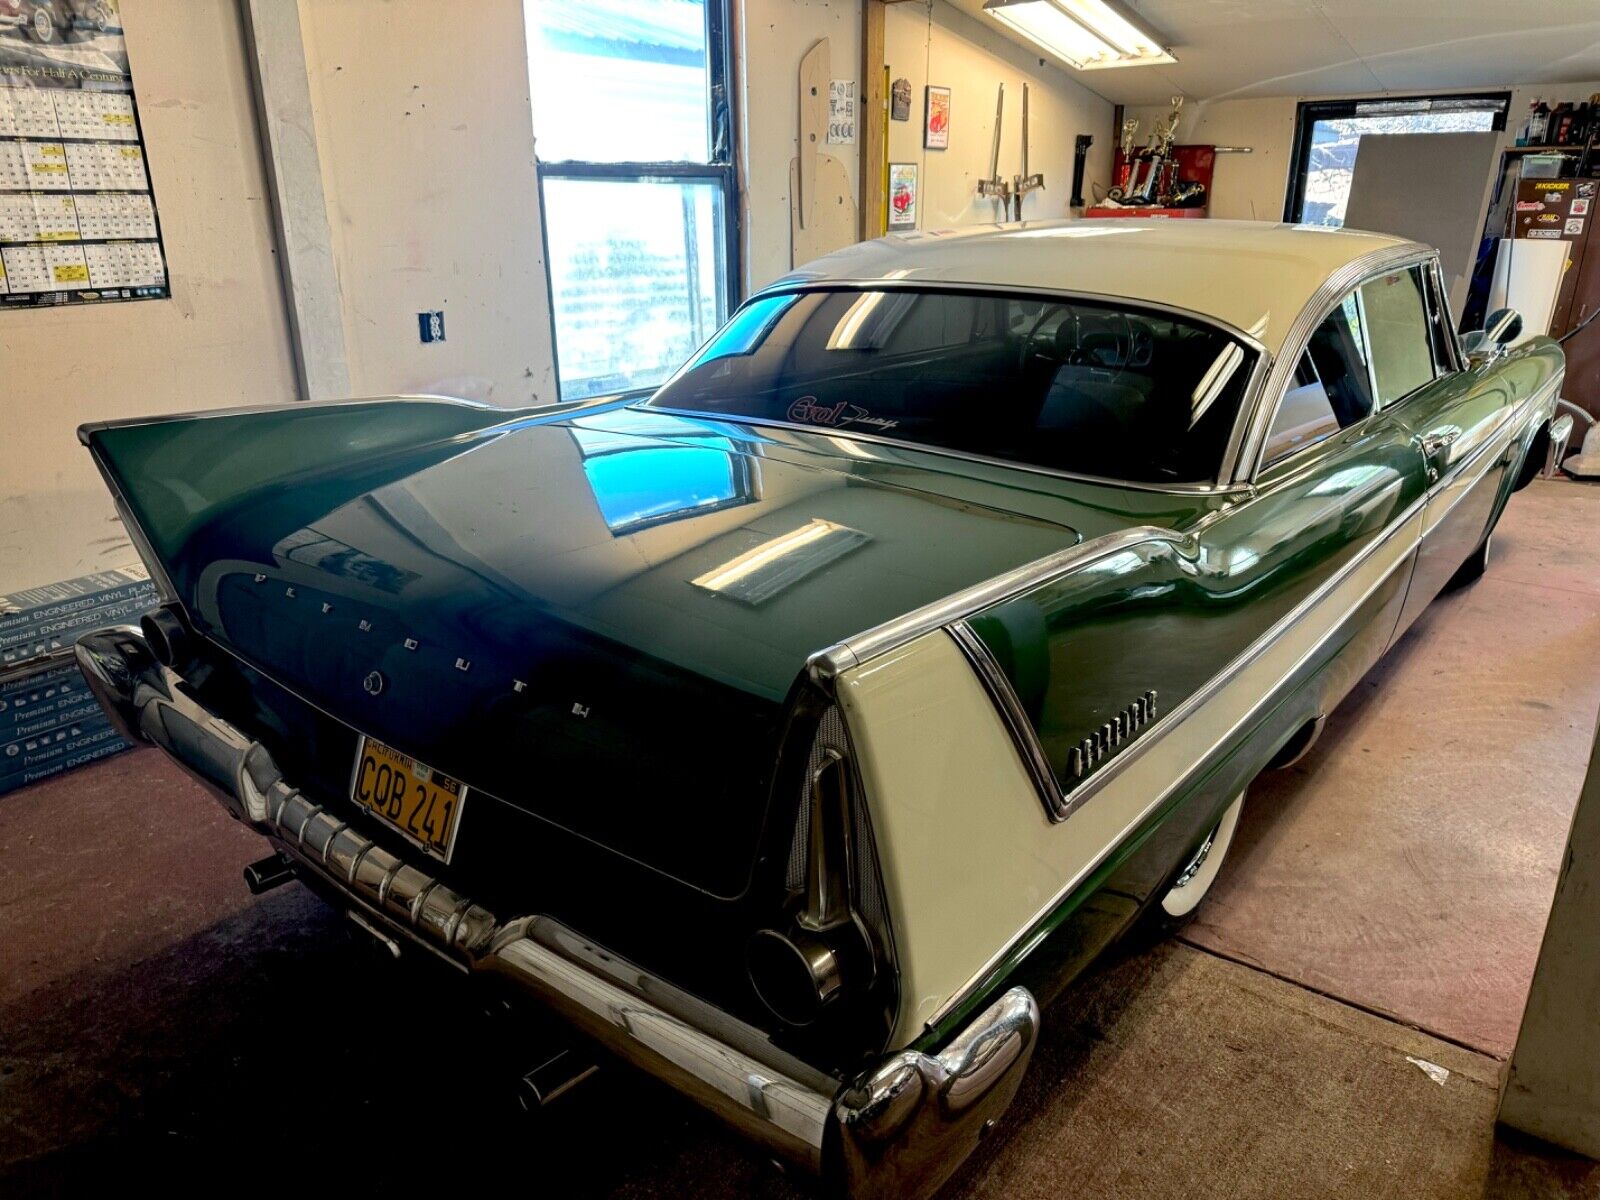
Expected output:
{"points": [[799, 729]]}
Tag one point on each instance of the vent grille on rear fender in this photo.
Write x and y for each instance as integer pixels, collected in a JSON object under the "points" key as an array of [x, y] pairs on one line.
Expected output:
{"points": [[867, 894]]}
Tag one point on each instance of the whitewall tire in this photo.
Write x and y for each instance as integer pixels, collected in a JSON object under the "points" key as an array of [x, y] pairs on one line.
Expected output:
{"points": [[1195, 880]]}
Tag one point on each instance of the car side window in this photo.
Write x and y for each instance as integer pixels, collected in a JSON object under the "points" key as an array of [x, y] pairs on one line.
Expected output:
{"points": [[1396, 313], [1331, 389]]}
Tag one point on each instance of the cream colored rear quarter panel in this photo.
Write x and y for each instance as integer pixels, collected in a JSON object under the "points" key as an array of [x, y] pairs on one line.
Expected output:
{"points": [[963, 840], [969, 857]]}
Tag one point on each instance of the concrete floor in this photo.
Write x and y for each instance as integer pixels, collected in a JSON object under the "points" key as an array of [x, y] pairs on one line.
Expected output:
{"points": [[1383, 902], [1407, 864]]}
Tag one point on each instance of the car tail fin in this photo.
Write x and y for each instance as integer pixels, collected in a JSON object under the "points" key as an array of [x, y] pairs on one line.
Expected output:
{"points": [[172, 477]]}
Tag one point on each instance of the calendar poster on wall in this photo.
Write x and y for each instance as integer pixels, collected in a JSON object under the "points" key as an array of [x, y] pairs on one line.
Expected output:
{"points": [[78, 218]]}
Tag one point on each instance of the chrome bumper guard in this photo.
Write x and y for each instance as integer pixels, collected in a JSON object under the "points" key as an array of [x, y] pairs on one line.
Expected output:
{"points": [[898, 1130]]}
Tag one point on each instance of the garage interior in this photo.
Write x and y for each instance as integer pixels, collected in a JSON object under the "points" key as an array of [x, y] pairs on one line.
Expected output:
{"points": [[390, 197]]}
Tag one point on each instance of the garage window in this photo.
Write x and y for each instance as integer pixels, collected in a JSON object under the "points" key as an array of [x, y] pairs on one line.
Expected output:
{"points": [[632, 133], [1328, 134]]}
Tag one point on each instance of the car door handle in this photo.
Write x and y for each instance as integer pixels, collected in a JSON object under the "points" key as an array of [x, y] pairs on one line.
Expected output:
{"points": [[1432, 443]]}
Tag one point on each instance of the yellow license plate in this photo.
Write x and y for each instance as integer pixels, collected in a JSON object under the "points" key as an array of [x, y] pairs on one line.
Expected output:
{"points": [[423, 804]]}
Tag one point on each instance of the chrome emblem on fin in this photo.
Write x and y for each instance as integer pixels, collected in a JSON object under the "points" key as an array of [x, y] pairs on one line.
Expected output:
{"points": [[1103, 742]]}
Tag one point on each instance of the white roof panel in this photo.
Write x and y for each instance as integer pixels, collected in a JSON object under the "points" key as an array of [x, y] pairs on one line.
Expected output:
{"points": [[1252, 275]]}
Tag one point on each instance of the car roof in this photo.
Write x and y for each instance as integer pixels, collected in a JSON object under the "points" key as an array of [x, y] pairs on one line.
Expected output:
{"points": [[1252, 275]]}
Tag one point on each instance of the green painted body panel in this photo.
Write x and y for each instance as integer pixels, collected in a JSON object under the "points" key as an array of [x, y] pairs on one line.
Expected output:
{"points": [[1171, 616], [544, 564], [499, 538], [1168, 617]]}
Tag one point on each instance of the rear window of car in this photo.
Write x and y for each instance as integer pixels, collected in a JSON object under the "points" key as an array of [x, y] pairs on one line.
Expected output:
{"points": [[1087, 387]]}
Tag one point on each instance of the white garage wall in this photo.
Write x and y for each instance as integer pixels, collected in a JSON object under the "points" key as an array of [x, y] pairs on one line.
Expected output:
{"points": [[221, 340], [425, 134], [930, 42], [772, 37], [937, 44], [1251, 187]]}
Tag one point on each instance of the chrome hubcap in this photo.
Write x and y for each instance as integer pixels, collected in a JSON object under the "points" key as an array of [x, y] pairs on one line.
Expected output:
{"points": [[1186, 877]]}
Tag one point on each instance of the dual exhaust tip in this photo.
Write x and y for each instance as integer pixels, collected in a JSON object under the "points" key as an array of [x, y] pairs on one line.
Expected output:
{"points": [[169, 637]]}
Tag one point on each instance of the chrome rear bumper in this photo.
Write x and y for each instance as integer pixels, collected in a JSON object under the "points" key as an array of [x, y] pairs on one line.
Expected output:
{"points": [[898, 1130]]}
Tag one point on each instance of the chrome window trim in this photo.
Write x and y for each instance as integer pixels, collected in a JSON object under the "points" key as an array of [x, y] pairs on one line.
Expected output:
{"points": [[1015, 717], [1366, 343], [1431, 315], [1439, 297], [1225, 468], [1269, 465], [1323, 301], [1006, 289]]}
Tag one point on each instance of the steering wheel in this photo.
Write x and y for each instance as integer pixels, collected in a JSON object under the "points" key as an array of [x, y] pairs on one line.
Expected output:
{"points": [[1026, 351]]}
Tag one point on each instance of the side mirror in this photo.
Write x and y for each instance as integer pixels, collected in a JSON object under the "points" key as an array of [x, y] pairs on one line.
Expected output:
{"points": [[1489, 343], [1503, 326]]}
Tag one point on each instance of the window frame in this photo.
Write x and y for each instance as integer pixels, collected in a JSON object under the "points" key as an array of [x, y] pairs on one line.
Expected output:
{"points": [[721, 170], [1265, 465], [1309, 112], [1439, 320], [1432, 316], [1224, 479]]}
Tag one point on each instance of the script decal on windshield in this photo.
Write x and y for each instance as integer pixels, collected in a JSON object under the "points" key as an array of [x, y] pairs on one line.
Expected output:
{"points": [[808, 411]]}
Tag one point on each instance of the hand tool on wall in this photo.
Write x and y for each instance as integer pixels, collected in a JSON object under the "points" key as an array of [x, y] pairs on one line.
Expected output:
{"points": [[994, 187], [1024, 183]]}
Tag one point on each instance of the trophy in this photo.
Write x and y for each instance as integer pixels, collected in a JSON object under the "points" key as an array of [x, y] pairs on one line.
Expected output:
{"points": [[1119, 187]]}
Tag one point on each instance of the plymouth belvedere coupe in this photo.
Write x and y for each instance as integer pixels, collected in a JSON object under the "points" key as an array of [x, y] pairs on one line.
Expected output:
{"points": [[797, 729]]}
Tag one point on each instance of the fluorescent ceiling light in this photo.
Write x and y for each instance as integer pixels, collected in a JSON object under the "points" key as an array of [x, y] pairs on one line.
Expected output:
{"points": [[1087, 34]]}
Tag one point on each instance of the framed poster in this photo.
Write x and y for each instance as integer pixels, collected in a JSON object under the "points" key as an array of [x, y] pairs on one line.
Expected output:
{"points": [[936, 132], [77, 214], [902, 195]]}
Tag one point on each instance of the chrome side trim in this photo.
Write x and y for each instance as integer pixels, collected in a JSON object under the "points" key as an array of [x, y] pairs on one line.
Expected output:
{"points": [[898, 1130], [825, 665], [1013, 714], [1322, 302]]}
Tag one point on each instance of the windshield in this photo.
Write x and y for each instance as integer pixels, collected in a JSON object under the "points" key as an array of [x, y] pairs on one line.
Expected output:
{"points": [[1090, 387]]}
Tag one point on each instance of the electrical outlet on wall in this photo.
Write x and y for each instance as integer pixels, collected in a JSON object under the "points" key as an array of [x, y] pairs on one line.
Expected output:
{"points": [[430, 326]]}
